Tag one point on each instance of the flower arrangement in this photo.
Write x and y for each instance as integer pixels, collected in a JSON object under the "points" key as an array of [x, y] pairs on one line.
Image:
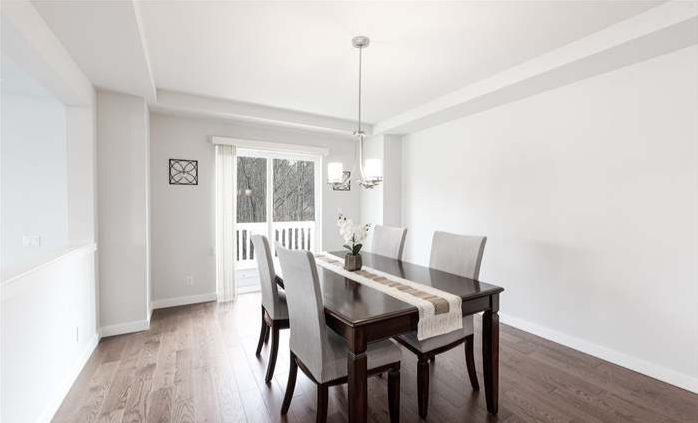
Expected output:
{"points": [[354, 235]]}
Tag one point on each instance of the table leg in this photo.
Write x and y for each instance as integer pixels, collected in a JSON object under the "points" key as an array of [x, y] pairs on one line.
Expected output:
{"points": [[490, 359], [357, 386]]}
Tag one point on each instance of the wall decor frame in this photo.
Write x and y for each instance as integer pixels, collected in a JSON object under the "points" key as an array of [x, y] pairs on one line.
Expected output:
{"points": [[184, 172]]}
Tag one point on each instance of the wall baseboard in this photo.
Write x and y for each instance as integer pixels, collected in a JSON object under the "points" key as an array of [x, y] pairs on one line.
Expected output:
{"points": [[141, 325], [62, 391], [629, 362], [179, 301], [122, 328]]}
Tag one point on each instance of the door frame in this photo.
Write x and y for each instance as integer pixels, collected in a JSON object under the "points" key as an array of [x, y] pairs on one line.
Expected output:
{"points": [[284, 154]]}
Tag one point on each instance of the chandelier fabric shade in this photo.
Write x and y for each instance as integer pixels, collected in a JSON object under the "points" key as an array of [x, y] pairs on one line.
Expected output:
{"points": [[335, 172], [373, 169]]}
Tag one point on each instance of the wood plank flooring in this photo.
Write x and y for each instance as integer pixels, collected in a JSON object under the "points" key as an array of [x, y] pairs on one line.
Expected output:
{"points": [[197, 364]]}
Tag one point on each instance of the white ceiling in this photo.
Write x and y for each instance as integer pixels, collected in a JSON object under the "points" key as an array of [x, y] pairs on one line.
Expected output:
{"points": [[105, 39], [298, 55]]}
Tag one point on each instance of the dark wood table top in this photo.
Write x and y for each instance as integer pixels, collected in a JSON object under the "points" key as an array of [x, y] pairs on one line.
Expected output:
{"points": [[356, 304]]}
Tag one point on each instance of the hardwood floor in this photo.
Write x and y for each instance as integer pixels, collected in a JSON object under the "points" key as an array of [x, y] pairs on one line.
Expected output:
{"points": [[197, 364]]}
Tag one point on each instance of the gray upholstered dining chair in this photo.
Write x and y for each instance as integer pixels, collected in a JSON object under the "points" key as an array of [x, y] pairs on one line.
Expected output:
{"points": [[388, 241], [460, 255], [316, 349], [274, 309]]}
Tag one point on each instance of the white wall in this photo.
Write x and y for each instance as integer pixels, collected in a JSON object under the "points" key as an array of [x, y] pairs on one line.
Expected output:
{"points": [[588, 196], [392, 180], [82, 184], [183, 216], [48, 298], [382, 205], [123, 167], [48, 326], [34, 199], [371, 199]]}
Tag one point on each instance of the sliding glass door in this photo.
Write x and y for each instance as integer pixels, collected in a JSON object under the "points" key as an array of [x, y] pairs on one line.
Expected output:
{"points": [[277, 195], [293, 203]]}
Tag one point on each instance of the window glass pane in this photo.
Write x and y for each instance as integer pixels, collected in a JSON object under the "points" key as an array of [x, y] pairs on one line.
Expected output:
{"points": [[294, 190], [252, 190]]}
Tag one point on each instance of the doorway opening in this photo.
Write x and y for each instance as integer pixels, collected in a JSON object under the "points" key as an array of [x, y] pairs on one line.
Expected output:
{"points": [[278, 196]]}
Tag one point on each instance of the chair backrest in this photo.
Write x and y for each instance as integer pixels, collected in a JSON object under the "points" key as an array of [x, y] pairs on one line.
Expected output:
{"points": [[306, 312], [388, 241], [457, 254], [267, 275]]}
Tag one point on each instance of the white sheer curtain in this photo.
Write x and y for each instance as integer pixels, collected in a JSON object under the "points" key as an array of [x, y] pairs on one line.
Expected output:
{"points": [[225, 222]]}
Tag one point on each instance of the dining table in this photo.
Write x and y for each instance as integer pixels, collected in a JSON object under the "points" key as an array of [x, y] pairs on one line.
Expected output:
{"points": [[361, 315]]}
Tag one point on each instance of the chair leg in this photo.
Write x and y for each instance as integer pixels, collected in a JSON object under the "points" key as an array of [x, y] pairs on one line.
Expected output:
{"points": [[321, 404], [470, 362], [394, 393], [272, 354], [266, 334], [290, 385], [262, 334], [423, 386]]}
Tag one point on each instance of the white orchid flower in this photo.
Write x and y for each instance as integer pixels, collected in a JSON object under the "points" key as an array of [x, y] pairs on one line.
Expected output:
{"points": [[353, 235]]}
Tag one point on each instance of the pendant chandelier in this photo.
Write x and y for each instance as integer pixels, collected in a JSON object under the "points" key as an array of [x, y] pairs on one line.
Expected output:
{"points": [[371, 171]]}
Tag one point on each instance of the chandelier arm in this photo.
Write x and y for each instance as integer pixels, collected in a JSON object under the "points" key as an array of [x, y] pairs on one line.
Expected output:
{"points": [[353, 176], [358, 178], [361, 158]]}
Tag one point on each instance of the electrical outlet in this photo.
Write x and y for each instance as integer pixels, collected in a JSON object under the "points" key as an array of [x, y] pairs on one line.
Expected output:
{"points": [[189, 281], [32, 241]]}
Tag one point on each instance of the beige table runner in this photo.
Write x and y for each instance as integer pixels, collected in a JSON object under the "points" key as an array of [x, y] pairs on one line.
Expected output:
{"points": [[439, 311]]}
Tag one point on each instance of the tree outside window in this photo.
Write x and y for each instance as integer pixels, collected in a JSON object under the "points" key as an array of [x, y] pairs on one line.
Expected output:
{"points": [[293, 190]]}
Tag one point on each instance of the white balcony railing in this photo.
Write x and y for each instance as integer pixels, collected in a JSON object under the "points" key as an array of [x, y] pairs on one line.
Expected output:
{"points": [[293, 235]]}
